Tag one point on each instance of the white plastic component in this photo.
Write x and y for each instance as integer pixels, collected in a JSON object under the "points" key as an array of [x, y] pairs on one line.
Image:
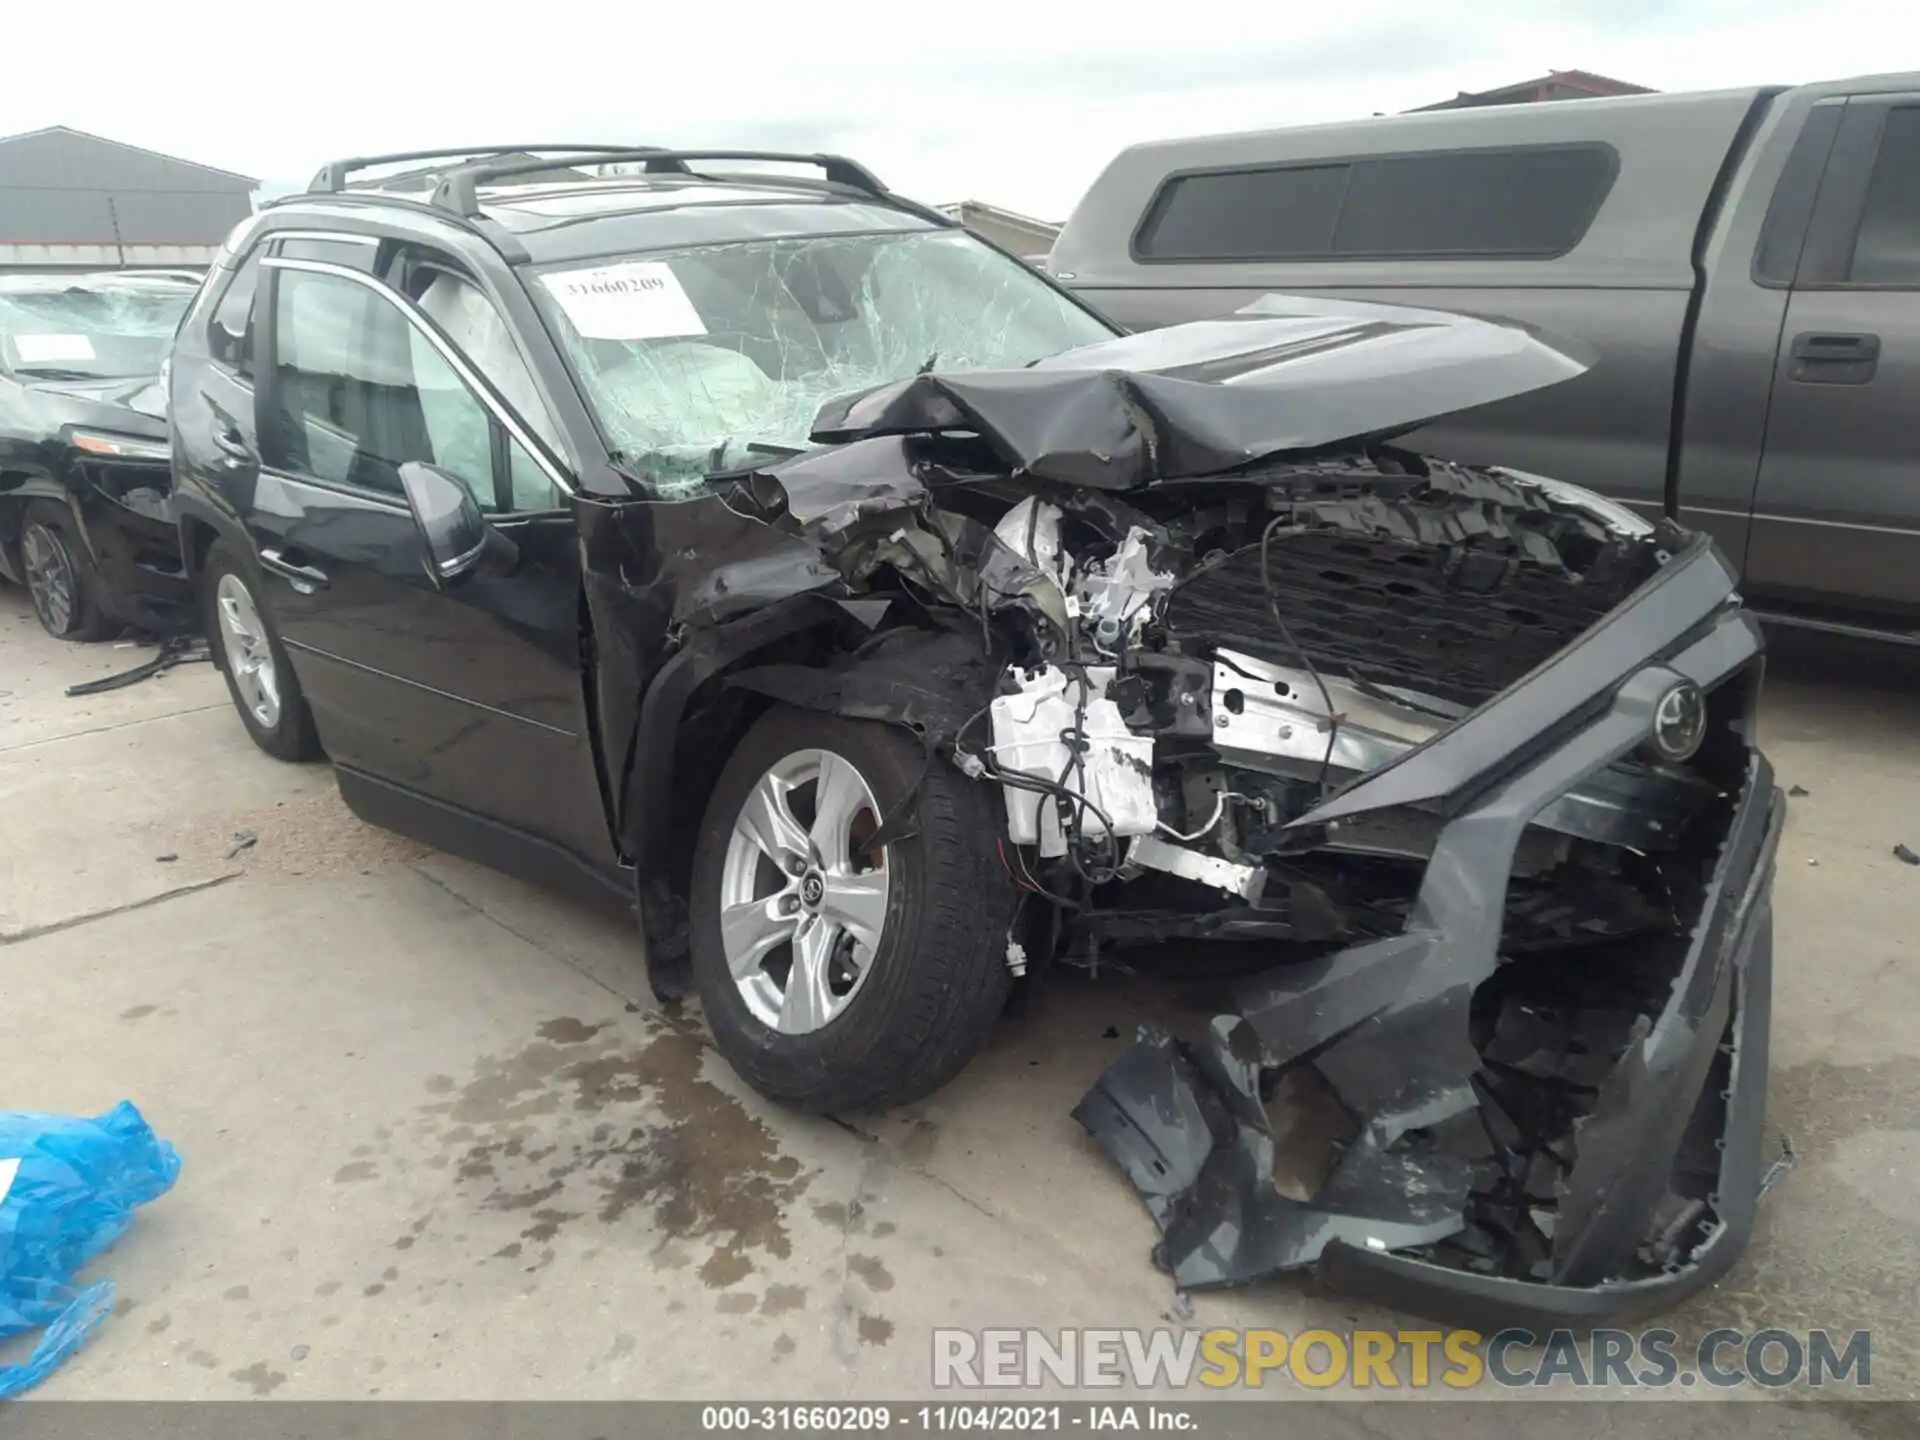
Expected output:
{"points": [[1117, 775], [1115, 596], [1031, 530]]}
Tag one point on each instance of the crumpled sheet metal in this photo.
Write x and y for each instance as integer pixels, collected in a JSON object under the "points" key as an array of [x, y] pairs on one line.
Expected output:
{"points": [[929, 682], [865, 506], [1285, 373], [1386, 1024]]}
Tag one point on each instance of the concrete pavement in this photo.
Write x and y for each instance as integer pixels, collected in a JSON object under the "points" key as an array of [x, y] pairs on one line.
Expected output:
{"points": [[440, 1142]]}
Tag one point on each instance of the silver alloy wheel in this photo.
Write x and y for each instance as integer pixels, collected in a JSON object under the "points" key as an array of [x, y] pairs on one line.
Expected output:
{"points": [[802, 906], [50, 579], [249, 656]]}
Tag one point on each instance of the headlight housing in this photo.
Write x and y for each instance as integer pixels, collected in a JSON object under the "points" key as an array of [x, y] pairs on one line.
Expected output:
{"points": [[118, 447], [1680, 722]]}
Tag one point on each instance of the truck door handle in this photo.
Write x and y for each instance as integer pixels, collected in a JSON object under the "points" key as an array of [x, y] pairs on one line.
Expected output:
{"points": [[1824, 358], [304, 578]]}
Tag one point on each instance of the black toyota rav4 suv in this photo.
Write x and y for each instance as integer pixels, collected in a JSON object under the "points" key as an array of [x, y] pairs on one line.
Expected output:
{"points": [[770, 553]]}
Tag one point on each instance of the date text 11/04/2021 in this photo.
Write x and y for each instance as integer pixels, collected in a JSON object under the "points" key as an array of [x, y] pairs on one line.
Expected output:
{"points": [[948, 1416]]}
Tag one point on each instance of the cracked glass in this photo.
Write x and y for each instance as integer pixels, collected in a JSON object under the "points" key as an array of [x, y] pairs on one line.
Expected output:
{"points": [[88, 330], [703, 359]]}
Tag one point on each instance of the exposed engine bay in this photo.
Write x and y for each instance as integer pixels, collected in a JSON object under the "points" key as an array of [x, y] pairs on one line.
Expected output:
{"points": [[1452, 767]]}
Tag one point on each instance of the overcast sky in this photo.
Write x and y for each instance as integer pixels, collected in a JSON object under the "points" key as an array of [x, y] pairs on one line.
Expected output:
{"points": [[1017, 104]]}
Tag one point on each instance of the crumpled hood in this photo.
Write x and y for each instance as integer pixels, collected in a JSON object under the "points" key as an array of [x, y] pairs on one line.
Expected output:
{"points": [[134, 405], [1285, 373], [139, 393]]}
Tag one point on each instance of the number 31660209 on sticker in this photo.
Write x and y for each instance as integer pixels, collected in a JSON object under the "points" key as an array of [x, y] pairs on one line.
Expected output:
{"points": [[640, 300]]}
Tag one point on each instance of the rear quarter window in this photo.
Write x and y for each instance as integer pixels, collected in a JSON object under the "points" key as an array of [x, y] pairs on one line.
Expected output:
{"points": [[1527, 202]]}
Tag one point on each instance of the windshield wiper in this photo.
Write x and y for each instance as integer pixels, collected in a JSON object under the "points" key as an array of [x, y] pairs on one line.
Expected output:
{"points": [[56, 372]]}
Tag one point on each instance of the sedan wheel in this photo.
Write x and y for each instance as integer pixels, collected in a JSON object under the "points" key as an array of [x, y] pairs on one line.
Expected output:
{"points": [[52, 580], [249, 656], [803, 907]]}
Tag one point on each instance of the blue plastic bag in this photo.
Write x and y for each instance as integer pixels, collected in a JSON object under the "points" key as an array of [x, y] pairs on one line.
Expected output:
{"points": [[68, 1188]]}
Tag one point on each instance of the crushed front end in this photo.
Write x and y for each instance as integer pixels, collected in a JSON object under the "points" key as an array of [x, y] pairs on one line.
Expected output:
{"points": [[1544, 1016], [1454, 769]]}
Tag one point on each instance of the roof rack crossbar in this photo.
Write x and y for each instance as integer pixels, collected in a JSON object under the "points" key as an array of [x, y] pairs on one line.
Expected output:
{"points": [[331, 178], [457, 192]]}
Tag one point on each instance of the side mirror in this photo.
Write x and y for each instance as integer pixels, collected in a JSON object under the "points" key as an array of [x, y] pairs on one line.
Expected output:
{"points": [[456, 534]]}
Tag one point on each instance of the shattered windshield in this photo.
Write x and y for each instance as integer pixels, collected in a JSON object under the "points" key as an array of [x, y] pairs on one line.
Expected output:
{"points": [[89, 331], [700, 359]]}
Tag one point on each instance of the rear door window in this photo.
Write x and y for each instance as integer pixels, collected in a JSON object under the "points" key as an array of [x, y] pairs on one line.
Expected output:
{"points": [[1886, 250]]}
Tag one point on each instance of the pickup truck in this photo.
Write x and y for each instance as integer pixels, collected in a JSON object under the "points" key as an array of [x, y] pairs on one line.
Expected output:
{"points": [[1742, 265]]}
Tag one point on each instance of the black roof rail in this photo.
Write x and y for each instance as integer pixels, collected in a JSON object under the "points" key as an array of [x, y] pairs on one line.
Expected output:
{"points": [[457, 191], [331, 178]]}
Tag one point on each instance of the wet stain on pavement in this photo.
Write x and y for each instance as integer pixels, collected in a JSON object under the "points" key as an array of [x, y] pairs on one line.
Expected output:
{"points": [[568, 1031], [874, 1329], [358, 1170], [780, 1299], [783, 1344], [618, 1125], [138, 1012], [203, 1359], [259, 1378], [236, 1292], [327, 1288], [723, 1268], [871, 1272], [739, 1302], [156, 1327]]}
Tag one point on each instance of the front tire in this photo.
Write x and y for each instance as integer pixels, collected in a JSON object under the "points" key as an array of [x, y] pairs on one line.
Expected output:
{"points": [[834, 979], [61, 579], [248, 652]]}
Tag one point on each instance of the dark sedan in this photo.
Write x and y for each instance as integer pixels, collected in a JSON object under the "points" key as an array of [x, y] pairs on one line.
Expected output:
{"points": [[84, 481]]}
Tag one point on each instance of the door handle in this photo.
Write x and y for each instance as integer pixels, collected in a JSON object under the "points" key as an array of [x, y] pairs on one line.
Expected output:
{"points": [[1825, 358], [304, 578]]}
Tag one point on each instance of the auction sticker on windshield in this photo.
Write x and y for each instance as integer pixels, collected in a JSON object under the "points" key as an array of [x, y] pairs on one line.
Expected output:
{"points": [[641, 300], [39, 349]]}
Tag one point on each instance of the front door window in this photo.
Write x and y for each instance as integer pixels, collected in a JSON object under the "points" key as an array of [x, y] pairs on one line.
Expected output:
{"points": [[361, 390]]}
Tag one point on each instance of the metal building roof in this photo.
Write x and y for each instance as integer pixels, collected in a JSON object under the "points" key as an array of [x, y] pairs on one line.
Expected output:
{"points": [[70, 198]]}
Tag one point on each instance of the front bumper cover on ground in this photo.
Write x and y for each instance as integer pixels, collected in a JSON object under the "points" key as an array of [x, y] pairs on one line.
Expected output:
{"points": [[1386, 1024]]}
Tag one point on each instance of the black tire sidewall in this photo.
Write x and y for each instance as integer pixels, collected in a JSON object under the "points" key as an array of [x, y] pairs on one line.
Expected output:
{"points": [[856, 1060], [87, 622], [292, 737]]}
